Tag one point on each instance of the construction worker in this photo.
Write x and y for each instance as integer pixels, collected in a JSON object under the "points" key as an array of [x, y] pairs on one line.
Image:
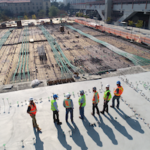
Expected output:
{"points": [[54, 108], [117, 93], [82, 103], [68, 104], [107, 97], [32, 111], [95, 101]]}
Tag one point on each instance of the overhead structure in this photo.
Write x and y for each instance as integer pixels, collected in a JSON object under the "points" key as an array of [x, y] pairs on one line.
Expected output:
{"points": [[134, 58]]}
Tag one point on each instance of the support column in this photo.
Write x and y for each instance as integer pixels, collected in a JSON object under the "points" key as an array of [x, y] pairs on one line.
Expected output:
{"points": [[149, 22], [108, 9]]}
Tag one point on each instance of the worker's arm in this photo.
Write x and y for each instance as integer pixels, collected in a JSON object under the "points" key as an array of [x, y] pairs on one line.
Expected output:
{"points": [[72, 104], [117, 91], [64, 103], [82, 101], [95, 99], [55, 105], [107, 97], [29, 109]]}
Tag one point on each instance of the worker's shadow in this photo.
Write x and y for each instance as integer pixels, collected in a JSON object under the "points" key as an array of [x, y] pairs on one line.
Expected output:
{"points": [[134, 124], [91, 132], [38, 144], [107, 130], [76, 136], [62, 137], [119, 127]]}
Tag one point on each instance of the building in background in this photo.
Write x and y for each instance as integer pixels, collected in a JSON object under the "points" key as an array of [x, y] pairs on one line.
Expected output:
{"points": [[25, 6]]}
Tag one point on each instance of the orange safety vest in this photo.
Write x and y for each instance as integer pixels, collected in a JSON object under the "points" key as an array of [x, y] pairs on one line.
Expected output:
{"points": [[120, 91], [33, 109], [67, 103], [96, 93]]}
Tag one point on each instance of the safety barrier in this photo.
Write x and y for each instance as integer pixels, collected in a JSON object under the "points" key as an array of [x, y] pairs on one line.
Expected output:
{"points": [[125, 35]]}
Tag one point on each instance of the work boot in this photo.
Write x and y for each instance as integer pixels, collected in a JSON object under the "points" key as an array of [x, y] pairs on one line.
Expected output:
{"points": [[102, 112], [92, 114], [59, 123], [98, 113], [39, 129], [111, 106]]}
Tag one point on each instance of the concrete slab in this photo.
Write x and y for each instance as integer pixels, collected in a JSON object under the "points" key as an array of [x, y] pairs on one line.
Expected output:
{"points": [[121, 129]]}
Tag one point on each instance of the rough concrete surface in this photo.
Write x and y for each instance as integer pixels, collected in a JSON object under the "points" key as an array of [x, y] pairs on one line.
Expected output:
{"points": [[121, 129]]}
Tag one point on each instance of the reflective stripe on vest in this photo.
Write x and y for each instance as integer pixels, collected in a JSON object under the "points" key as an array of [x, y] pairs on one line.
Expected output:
{"points": [[120, 91], [96, 93], [84, 102], [52, 105], [68, 103], [105, 95], [33, 109]]}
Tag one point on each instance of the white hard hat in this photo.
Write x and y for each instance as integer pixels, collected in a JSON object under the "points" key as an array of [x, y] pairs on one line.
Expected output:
{"points": [[107, 85], [31, 99], [67, 95]]}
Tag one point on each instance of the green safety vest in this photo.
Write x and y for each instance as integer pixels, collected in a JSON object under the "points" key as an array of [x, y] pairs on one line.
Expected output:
{"points": [[105, 95], [52, 105], [68, 103], [84, 102]]}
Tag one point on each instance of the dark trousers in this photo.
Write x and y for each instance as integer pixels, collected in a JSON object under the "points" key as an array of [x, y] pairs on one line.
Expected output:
{"points": [[56, 116], [71, 114], [95, 106], [105, 107], [82, 112], [113, 101]]}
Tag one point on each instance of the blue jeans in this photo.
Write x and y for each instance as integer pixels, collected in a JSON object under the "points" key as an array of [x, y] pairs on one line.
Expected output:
{"points": [[113, 101], [71, 114], [82, 112]]}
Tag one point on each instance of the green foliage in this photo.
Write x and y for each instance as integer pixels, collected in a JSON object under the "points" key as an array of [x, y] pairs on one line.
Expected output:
{"points": [[108, 20], [33, 16], [25, 17], [79, 14], [139, 24], [41, 13], [130, 23], [53, 11]]}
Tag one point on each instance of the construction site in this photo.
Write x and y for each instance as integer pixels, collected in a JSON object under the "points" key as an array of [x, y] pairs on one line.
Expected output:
{"points": [[44, 52], [68, 56]]}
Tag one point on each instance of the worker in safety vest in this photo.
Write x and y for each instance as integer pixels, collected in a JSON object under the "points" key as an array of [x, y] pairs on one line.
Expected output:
{"points": [[95, 101], [32, 111], [82, 103], [68, 104], [54, 108], [117, 93], [107, 97]]}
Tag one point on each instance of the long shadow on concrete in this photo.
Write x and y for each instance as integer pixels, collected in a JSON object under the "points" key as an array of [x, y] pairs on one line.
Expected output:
{"points": [[76, 136], [119, 127], [38, 144], [91, 132], [107, 130], [134, 124], [62, 137]]}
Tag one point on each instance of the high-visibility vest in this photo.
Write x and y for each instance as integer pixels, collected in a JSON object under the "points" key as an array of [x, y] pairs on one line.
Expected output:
{"points": [[33, 109], [68, 103], [95, 93], [105, 95], [52, 105], [120, 91], [84, 102]]}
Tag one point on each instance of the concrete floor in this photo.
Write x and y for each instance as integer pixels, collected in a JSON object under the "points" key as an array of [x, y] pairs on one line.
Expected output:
{"points": [[121, 129]]}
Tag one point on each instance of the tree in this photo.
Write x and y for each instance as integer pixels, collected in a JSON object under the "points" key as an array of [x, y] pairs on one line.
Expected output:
{"points": [[41, 13], [56, 4], [25, 17], [139, 24], [33, 16], [53, 11], [130, 23]]}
